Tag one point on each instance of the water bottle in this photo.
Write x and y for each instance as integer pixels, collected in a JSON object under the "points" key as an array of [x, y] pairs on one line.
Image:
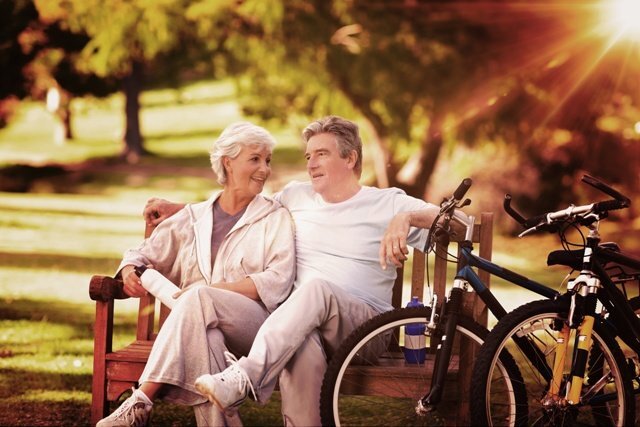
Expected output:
{"points": [[157, 285], [415, 341]]}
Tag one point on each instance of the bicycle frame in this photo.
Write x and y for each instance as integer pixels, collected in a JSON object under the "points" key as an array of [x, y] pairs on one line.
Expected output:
{"points": [[468, 275], [464, 277]]}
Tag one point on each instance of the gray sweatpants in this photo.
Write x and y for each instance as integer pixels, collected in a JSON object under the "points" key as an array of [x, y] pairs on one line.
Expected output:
{"points": [[291, 344], [204, 323]]}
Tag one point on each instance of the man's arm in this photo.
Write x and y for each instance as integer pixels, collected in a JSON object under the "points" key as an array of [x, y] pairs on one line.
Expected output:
{"points": [[157, 210], [393, 246]]}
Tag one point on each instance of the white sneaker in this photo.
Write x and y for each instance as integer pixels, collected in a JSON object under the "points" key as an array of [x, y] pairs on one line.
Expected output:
{"points": [[134, 412], [228, 388]]}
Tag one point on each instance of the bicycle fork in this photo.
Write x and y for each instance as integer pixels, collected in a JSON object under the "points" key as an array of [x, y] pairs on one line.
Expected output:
{"points": [[451, 309], [584, 324]]}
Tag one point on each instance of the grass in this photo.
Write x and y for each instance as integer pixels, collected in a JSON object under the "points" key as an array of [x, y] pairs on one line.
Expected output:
{"points": [[69, 227]]}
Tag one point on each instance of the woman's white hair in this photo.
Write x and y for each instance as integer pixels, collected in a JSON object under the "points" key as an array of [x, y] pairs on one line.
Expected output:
{"points": [[231, 141]]}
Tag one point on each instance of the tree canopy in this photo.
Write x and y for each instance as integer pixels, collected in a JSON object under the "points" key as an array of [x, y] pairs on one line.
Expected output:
{"points": [[549, 81]]}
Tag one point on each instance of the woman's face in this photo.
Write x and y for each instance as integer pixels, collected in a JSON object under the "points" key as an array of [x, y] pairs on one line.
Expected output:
{"points": [[248, 172]]}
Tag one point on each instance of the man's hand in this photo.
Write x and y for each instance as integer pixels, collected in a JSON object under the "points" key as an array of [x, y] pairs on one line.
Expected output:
{"points": [[132, 284], [394, 242], [157, 210]]}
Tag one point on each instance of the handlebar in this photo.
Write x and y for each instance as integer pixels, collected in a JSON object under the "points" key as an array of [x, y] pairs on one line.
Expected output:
{"points": [[449, 205], [584, 215], [462, 189], [440, 229]]}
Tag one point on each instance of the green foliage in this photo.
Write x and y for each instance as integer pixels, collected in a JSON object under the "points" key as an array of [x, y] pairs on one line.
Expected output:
{"points": [[15, 16], [426, 76]]}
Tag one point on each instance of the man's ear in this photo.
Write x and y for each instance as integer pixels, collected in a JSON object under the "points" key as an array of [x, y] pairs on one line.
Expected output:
{"points": [[352, 159]]}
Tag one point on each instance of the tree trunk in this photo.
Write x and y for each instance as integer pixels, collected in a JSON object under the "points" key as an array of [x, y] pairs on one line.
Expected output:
{"points": [[384, 165], [382, 158], [133, 148], [425, 160], [64, 113]]}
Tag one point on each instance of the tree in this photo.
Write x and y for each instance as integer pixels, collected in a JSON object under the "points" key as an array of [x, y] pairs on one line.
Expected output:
{"points": [[421, 74], [403, 67], [36, 55], [15, 17], [124, 38], [54, 67]]}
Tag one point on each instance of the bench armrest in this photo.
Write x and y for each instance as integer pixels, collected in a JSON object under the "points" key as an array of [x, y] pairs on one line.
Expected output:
{"points": [[104, 288]]}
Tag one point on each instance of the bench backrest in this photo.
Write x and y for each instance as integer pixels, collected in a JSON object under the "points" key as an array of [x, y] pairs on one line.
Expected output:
{"points": [[482, 235]]}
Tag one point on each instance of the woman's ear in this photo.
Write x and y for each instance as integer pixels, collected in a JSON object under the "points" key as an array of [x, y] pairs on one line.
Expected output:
{"points": [[226, 163]]}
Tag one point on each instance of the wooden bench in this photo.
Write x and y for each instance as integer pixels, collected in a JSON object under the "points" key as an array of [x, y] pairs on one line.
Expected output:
{"points": [[115, 372]]}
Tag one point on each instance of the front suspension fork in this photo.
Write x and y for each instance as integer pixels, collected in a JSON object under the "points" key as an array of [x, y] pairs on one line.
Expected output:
{"points": [[443, 350]]}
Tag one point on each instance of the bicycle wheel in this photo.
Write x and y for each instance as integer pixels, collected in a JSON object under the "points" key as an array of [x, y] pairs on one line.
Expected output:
{"points": [[350, 396], [606, 396], [631, 356]]}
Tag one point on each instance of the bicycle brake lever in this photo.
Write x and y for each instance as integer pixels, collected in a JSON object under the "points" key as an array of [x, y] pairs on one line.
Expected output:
{"points": [[528, 231]]}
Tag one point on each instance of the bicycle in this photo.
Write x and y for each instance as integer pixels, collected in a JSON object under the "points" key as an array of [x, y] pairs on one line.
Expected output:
{"points": [[584, 377], [345, 388]]}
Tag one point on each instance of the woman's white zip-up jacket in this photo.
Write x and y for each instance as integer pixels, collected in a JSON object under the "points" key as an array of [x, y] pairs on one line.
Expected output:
{"points": [[260, 246]]}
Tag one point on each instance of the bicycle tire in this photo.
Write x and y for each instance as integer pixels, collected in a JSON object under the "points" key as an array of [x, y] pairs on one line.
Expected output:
{"points": [[536, 321], [340, 407], [631, 356]]}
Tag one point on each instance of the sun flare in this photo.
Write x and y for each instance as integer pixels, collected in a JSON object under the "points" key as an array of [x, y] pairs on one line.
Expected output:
{"points": [[624, 17]]}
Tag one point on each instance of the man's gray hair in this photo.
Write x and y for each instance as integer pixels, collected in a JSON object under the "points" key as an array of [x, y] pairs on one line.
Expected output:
{"points": [[346, 134], [231, 141]]}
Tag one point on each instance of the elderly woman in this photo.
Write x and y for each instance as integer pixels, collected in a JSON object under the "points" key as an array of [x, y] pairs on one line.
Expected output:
{"points": [[235, 253]]}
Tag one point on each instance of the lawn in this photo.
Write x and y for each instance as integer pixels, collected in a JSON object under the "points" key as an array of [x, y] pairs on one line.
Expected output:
{"points": [[75, 224]]}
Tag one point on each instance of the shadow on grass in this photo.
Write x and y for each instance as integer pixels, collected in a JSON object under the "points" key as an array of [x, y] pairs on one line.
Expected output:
{"points": [[73, 263], [183, 137], [102, 172], [44, 414], [16, 409], [80, 316], [15, 383], [58, 404], [65, 211]]}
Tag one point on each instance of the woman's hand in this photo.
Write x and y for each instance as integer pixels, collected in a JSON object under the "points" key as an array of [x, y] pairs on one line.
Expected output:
{"points": [[132, 284], [157, 210]]}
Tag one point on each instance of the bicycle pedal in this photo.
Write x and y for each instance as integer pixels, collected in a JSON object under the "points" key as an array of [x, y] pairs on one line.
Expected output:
{"points": [[423, 410]]}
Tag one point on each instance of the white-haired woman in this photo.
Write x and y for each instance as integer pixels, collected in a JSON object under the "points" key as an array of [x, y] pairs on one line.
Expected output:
{"points": [[240, 246]]}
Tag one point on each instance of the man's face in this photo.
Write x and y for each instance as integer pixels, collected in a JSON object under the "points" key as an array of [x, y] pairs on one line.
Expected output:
{"points": [[327, 170]]}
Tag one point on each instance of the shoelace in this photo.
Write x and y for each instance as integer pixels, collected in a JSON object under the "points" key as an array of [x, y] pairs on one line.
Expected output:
{"points": [[236, 373], [127, 406]]}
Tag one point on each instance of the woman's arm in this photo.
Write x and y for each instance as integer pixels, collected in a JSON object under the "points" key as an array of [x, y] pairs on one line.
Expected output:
{"points": [[244, 287], [274, 284]]}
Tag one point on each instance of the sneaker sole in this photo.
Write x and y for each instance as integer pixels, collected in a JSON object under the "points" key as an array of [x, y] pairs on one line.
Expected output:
{"points": [[205, 392]]}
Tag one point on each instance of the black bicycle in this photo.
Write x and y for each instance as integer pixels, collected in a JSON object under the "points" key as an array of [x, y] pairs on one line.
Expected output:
{"points": [[347, 395], [582, 376]]}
